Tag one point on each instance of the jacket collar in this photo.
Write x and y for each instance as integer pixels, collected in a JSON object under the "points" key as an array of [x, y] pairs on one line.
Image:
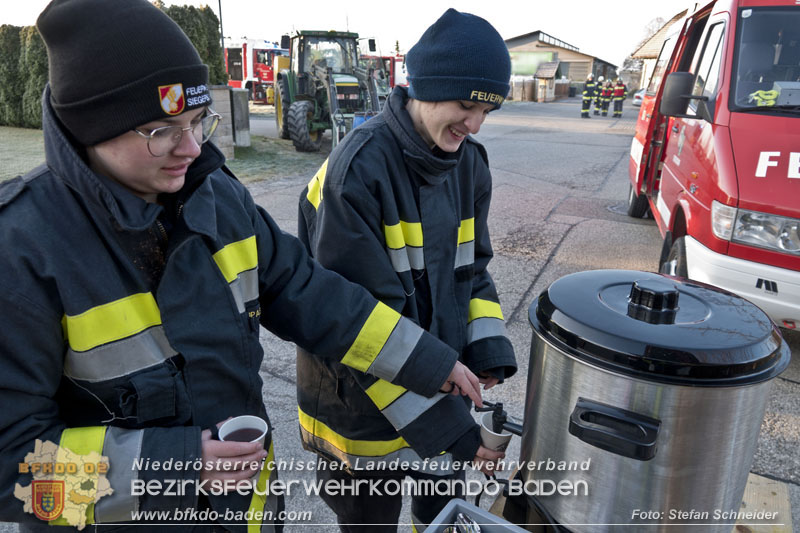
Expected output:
{"points": [[106, 195], [432, 165]]}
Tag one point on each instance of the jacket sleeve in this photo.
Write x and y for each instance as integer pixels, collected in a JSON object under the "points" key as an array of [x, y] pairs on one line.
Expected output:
{"points": [[344, 233], [327, 315], [32, 349], [488, 348]]}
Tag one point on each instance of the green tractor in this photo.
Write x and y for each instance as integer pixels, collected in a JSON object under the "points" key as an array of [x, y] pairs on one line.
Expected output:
{"points": [[321, 86]]}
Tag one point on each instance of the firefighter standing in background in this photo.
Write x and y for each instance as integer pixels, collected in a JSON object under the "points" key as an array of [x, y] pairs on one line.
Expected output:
{"points": [[598, 90], [605, 95], [588, 95], [619, 95]]}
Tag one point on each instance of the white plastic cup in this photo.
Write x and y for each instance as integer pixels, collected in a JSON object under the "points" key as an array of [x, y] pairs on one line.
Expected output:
{"points": [[245, 428], [489, 439]]}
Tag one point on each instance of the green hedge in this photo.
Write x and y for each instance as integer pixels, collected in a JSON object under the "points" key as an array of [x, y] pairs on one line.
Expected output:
{"points": [[11, 85], [33, 63], [23, 62]]}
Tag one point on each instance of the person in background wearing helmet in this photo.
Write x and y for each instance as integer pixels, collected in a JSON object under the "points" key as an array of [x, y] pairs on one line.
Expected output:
{"points": [[588, 95], [136, 274], [598, 98], [606, 93], [401, 207], [620, 93]]}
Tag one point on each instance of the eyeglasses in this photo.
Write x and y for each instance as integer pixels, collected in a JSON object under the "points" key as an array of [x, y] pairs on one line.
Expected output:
{"points": [[163, 140]]}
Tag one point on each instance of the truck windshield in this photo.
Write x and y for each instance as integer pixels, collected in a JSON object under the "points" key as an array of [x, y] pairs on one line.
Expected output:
{"points": [[767, 64], [339, 54]]}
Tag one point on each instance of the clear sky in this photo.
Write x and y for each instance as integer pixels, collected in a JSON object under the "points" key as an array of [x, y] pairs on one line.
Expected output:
{"points": [[608, 30]]}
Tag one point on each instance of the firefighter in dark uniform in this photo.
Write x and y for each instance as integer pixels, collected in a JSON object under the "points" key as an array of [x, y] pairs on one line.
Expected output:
{"points": [[401, 207], [606, 92], [619, 95], [598, 96], [137, 272], [588, 95]]}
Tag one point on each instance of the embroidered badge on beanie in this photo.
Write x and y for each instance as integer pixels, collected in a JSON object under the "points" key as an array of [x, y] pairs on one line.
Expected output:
{"points": [[460, 57], [115, 65]]}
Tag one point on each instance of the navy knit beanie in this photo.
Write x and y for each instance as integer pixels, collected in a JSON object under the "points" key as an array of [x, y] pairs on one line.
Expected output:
{"points": [[460, 57], [118, 64]]}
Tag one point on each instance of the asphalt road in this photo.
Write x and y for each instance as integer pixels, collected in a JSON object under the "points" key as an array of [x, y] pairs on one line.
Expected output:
{"points": [[560, 184]]}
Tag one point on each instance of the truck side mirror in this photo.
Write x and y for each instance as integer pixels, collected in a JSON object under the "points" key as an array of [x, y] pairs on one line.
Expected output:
{"points": [[677, 95], [285, 41], [371, 44], [675, 98]]}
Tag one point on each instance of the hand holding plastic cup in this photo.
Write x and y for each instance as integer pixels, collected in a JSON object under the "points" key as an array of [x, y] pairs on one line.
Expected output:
{"points": [[245, 428], [491, 440]]}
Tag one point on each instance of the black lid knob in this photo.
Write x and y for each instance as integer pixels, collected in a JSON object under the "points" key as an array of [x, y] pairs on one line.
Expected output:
{"points": [[653, 301]]}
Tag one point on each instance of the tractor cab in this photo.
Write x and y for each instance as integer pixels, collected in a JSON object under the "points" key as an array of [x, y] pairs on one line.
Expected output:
{"points": [[322, 88]]}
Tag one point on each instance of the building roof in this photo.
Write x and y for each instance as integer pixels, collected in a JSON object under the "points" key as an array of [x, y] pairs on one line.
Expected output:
{"points": [[651, 47], [549, 40], [545, 38], [547, 70]]}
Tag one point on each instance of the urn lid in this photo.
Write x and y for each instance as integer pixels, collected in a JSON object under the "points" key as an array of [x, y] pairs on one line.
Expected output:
{"points": [[659, 327]]}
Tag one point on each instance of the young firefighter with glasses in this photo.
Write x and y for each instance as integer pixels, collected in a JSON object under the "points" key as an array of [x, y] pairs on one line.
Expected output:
{"points": [[136, 274], [401, 207]]}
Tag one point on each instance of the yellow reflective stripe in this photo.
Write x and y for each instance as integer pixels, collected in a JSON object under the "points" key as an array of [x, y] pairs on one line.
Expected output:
{"points": [[373, 335], [314, 194], [259, 499], [111, 322], [346, 84], [382, 393], [237, 257], [364, 448], [484, 308], [402, 234], [466, 231], [80, 441]]}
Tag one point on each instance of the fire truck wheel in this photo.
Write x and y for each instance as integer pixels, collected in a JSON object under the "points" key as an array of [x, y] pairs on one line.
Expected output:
{"points": [[282, 108], [675, 265], [300, 114], [637, 203]]}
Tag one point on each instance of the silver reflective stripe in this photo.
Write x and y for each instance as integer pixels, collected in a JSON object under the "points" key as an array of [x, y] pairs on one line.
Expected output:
{"points": [[406, 258], [416, 257], [396, 351], [441, 465], [480, 328], [122, 447], [120, 358], [245, 288], [465, 254], [408, 407], [399, 260]]}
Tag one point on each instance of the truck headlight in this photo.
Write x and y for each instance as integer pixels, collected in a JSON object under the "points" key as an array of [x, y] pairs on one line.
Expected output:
{"points": [[767, 231], [722, 219]]}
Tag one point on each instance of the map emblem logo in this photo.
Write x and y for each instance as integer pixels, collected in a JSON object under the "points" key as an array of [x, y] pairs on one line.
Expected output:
{"points": [[48, 499]]}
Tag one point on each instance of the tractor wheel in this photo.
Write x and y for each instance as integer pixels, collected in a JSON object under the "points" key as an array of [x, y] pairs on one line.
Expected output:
{"points": [[637, 203], [675, 265], [282, 108], [300, 114]]}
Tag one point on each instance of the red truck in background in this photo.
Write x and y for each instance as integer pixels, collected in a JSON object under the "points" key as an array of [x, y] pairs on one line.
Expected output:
{"points": [[716, 154], [250, 64]]}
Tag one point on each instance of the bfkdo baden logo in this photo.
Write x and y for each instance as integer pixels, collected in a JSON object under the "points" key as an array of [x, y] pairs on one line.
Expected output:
{"points": [[48, 499], [65, 485]]}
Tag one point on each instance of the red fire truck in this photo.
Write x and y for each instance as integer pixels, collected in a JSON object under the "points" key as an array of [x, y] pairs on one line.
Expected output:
{"points": [[249, 64], [716, 155]]}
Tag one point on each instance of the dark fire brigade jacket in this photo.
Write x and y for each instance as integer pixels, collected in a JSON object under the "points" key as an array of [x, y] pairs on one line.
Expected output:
{"points": [[411, 226], [98, 357]]}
